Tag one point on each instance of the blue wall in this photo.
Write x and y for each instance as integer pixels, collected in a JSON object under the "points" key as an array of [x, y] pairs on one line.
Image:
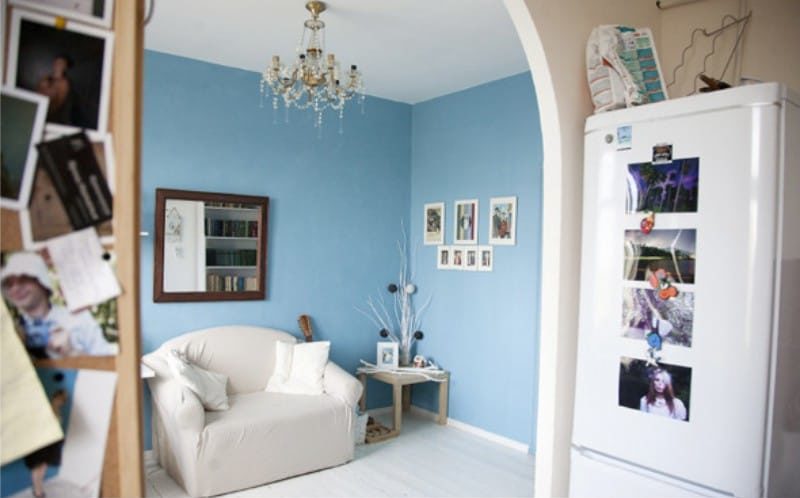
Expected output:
{"points": [[335, 208], [480, 143], [336, 201]]}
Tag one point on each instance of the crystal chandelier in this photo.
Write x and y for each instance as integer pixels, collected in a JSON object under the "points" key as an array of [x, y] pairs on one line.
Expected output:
{"points": [[313, 80]]}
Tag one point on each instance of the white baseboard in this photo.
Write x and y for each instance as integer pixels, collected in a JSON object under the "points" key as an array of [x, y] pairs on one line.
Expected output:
{"points": [[477, 431]]}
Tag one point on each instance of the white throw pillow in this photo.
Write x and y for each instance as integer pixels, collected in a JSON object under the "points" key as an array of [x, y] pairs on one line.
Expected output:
{"points": [[208, 386], [299, 368]]}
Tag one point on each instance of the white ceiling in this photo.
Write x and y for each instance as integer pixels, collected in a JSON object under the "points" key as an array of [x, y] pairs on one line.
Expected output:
{"points": [[407, 50]]}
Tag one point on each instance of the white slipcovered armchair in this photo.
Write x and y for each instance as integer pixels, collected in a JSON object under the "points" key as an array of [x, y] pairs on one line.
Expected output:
{"points": [[263, 436]]}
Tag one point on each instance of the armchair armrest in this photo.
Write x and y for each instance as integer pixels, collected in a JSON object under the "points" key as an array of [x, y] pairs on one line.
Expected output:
{"points": [[340, 384], [174, 400]]}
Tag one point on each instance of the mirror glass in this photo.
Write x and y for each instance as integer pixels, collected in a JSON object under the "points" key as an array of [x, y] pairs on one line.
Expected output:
{"points": [[209, 246]]}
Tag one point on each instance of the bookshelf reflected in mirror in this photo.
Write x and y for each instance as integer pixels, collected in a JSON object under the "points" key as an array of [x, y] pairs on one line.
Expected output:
{"points": [[209, 246]]}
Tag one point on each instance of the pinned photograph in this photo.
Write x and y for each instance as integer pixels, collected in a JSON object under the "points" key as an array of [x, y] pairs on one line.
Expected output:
{"points": [[669, 187], [458, 259], [465, 221], [22, 122], [81, 402], [46, 216], [503, 220], [443, 257], [387, 355], [643, 313], [663, 390], [71, 65], [434, 223], [98, 12], [485, 258], [471, 259], [668, 252], [30, 287]]}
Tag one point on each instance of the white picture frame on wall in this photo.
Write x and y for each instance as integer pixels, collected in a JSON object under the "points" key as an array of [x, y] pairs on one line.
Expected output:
{"points": [[485, 258], [97, 12], [465, 222], [387, 355], [471, 258], [458, 257], [444, 257], [503, 221], [433, 223]]}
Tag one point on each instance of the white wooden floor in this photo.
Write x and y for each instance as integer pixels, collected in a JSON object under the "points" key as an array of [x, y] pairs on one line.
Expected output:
{"points": [[426, 460]]}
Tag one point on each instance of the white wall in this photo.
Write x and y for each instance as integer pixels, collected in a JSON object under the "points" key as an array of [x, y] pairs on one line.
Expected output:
{"points": [[553, 34]]}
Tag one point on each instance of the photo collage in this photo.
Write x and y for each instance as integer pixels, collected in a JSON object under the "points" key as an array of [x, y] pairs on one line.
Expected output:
{"points": [[57, 265], [658, 283], [466, 254]]}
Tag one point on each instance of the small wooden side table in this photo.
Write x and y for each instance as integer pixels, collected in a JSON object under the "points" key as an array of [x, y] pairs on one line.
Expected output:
{"points": [[401, 382]]}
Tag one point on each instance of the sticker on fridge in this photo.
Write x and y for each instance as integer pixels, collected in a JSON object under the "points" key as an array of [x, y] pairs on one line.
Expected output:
{"points": [[663, 390], [643, 313], [669, 187], [670, 253]]}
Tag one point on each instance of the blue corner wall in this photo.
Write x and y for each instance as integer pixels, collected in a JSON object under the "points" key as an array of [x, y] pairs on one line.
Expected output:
{"points": [[336, 204], [483, 326]]}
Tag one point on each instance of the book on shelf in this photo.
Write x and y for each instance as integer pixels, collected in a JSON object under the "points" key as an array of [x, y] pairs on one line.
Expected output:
{"points": [[230, 228], [231, 257], [230, 283]]}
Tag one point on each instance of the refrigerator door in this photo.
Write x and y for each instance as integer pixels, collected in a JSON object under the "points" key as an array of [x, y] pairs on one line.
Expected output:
{"points": [[721, 445]]}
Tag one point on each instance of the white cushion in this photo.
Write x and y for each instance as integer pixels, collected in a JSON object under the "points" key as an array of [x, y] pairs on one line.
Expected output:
{"points": [[299, 368], [208, 386]]}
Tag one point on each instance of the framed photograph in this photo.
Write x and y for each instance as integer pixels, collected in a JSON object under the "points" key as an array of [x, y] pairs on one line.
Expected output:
{"points": [[459, 258], [670, 187], [643, 313], [22, 122], [434, 223], [503, 221], [465, 222], [70, 65], [387, 355], [471, 259], [669, 251], [97, 12], [444, 257], [485, 258], [664, 390], [46, 217]]}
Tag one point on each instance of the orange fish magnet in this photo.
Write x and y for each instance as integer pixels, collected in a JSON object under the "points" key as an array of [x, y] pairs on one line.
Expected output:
{"points": [[647, 223], [661, 280]]}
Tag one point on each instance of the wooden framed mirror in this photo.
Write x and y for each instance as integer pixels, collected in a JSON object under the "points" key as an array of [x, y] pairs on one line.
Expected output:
{"points": [[209, 246]]}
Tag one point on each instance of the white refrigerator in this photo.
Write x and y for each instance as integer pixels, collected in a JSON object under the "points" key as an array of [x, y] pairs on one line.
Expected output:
{"points": [[688, 376]]}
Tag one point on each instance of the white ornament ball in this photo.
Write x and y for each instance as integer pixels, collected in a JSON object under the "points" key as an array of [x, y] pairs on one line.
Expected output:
{"points": [[411, 288]]}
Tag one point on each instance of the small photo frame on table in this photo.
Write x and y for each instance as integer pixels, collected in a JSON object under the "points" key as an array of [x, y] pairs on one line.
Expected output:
{"points": [[503, 221], [434, 223], [485, 258], [22, 121], [471, 259], [97, 12], [465, 222], [70, 64], [387, 355], [444, 257]]}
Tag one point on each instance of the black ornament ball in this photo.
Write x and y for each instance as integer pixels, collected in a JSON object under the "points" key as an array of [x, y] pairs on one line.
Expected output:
{"points": [[392, 288], [418, 335], [384, 333]]}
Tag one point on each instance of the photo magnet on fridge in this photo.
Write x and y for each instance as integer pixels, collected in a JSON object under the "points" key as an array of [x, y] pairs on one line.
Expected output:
{"points": [[662, 153], [71, 163], [663, 390], [668, 187], [624, 137]]}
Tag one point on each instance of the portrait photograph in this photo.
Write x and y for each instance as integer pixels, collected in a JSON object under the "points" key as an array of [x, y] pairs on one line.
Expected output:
{"points": [[72, 465], [48, 330], [70, 66], [644, 312], [458, 259], [434, 223], [669, 187], [663, 390], [443, 255], [46, 217], [503, 220], [465, 221], [22, 121], [672, 251], [485, 258], [387, 355], [471, 259], [97, 12]]}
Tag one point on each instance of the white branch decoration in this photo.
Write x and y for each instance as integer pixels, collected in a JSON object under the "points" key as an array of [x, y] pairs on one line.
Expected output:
{"points": [[406, 323]]}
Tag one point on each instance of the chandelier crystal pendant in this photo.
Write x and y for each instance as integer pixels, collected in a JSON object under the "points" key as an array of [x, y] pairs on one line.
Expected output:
{"points": [[314, 80]]}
